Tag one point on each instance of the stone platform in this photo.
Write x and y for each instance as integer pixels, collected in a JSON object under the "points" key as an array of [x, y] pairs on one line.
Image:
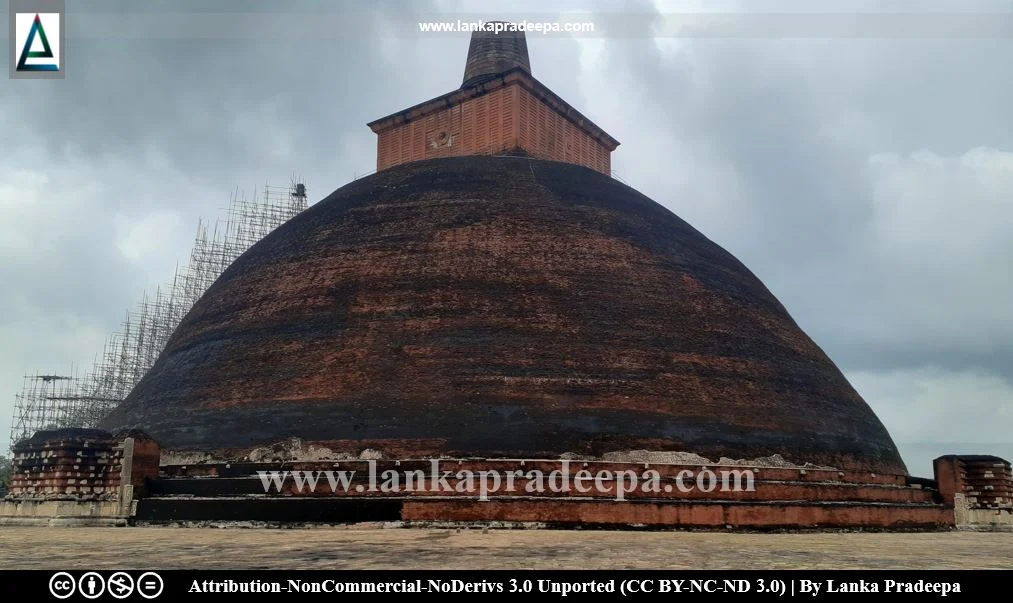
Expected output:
{"points": [[89, 477]]}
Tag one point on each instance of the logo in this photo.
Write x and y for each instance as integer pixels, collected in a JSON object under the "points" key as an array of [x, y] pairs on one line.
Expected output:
{"points": [[91, 585], [62, 585], [121, 585], [38, 35], [37, 39], [149, 585]]}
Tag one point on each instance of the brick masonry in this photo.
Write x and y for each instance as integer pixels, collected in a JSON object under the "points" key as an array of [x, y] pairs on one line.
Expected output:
{"points": [[499, 307], [87, 475], [979, 487], [513, 113], [67, 464], [79, 475], [492, 53], [780, 497], [984, 481], [499, 108]]}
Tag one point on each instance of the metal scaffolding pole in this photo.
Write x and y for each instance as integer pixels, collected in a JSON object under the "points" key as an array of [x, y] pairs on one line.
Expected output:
{"points": [[50, 401]]}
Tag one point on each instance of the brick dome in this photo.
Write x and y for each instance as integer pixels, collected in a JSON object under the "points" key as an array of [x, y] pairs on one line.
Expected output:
{"points": [[499, 307]]}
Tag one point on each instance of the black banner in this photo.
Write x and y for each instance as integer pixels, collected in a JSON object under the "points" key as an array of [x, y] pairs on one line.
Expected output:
{"points": [[170, 585]]}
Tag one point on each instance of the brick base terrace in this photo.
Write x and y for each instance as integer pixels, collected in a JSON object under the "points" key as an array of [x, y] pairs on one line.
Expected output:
{"points": [[90, 475]]}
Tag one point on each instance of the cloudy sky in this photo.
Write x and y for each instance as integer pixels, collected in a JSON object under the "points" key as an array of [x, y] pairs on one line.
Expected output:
{"points": [[861, 166]]}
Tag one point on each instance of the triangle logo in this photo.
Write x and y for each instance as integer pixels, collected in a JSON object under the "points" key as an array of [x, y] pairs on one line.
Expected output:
{"points": [[45, 53]]}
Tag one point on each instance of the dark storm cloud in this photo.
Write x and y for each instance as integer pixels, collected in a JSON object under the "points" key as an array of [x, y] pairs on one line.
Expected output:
{"points": [[866, 182], [210, 103]]}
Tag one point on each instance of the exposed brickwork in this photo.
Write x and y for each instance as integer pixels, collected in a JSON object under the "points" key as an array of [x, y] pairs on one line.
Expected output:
{"points": [[491, 53], [546, 134], [499, 109], [716, 514], [770, 483], [513, 111], [779, 497], [141, 460], [483, 125], [67, 464], [82, 464], [666, 470], [500, 307], [984, 481]]}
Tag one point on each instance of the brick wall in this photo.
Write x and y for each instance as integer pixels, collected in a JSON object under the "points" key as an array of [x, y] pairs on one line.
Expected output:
{"points": [[81, 464], [513, 114], [546, 134], [479, 126], [67, 464], [983, 481]]}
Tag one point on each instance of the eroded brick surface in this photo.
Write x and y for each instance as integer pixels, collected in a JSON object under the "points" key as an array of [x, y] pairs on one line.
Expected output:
{"points": [[498, 306], [68, 464]]}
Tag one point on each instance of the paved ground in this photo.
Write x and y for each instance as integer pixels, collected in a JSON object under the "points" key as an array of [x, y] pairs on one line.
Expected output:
{"points": [[359, 548]]}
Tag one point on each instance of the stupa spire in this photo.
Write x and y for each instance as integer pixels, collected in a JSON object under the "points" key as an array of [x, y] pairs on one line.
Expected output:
{"points": [[493, 52], [500, 109]]}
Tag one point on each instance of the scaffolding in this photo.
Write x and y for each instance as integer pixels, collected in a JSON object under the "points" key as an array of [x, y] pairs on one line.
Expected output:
{"points": [[51, 401]]}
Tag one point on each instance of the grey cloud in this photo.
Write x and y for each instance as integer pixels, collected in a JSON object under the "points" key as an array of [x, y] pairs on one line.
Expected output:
{"points": [[799, 121]]}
